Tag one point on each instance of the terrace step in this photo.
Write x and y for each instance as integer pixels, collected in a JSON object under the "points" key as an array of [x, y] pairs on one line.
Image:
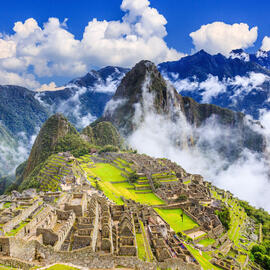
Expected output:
{"points": [[144, 191]]}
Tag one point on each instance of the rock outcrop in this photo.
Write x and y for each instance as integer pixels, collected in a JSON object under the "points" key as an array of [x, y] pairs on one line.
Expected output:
{"points": [[145, 87], [56, 127]]}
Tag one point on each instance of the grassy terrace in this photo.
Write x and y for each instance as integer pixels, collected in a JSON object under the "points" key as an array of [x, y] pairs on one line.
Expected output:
{"points": [[173, 217], [206, 242], [146, 245], [108, 174], [141, 248], [238, 217], [202, 257], [61, 267]]}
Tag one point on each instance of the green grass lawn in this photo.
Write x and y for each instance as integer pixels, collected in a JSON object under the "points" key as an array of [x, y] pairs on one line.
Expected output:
{"points": [[141, 249], [3, 267], [115, 191], [203, 259], [61, 267], [107, 172], [206, 242], [173, 217], [149, 254]]}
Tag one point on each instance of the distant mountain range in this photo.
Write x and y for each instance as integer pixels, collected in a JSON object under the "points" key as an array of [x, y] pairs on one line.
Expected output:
{"points": [[240, 82]]}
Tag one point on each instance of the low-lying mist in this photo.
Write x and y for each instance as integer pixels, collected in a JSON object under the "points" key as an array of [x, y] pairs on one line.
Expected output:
{"points": [[247, 177], [13, 153]]}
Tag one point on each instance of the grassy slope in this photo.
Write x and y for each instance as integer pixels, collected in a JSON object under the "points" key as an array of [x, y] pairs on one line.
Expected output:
{"points": [[109, 174], [173, 217], [61, 267]]}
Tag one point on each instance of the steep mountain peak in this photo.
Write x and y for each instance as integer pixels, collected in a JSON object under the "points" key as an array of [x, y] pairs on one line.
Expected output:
{"points": [[142, 85], [144, 94], [109, 73], [131, 84], [56, 127]]}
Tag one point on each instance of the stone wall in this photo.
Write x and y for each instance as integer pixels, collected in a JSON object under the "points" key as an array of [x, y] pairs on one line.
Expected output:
{"points": [[16, 263], [46, 216], [24, 250], [85, 257], [24, 215], [62, 234], [4, 246], [175, 264]]}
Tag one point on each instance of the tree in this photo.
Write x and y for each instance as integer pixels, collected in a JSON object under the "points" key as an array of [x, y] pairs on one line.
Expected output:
{"points": [[133, 177], [182, 198], [109, 148], [224, 217]]}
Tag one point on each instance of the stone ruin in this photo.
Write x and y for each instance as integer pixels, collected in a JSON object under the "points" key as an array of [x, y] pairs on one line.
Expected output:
{"points": [[54, 226]]}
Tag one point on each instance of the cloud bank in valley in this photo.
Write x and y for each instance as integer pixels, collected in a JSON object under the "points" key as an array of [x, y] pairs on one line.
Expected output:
{"points": [[158, 136]]}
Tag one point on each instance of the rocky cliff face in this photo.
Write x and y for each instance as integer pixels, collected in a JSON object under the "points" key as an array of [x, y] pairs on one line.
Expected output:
{"points": [[55, 128], [144, 91]]}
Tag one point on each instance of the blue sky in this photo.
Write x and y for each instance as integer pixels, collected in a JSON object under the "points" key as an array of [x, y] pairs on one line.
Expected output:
{"points": [[183, 16], [20, 65]]}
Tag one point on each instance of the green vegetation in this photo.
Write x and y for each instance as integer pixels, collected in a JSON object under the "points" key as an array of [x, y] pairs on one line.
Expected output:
{"points": [[140, 245], [116, 191], [108, 148], [174, 219], [107, 172], [3, 267], [237, 217], [224, 217], [18, 228], [149, 254], [156, 183], [261, 254], [133, 177], [207, 242], [73, 143], [109, 178], [7, 204], [260, 216], [203, 258], [103, 133], [182, 198], [61, 267], [56, 127]]}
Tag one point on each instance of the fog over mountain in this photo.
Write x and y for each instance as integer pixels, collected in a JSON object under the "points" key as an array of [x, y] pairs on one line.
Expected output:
{"points": [[159, 122], [239, 82]]}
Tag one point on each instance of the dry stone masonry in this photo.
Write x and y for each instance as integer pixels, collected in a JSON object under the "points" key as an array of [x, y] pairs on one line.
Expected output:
{"points": [[78, 224]]}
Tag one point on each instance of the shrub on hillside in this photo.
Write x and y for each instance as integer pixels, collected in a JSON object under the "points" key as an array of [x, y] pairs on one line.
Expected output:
{"points": [[224, 217], [133, 177], [73, 143], [109, 148]]}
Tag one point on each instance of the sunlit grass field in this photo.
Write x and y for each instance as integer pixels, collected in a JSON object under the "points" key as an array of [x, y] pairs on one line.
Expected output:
{"points": [[173, 217]]}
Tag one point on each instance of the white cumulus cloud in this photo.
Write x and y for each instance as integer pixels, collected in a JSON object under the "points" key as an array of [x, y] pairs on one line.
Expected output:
{"points": [[52, 50], [266, 44], [219, 37]]}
